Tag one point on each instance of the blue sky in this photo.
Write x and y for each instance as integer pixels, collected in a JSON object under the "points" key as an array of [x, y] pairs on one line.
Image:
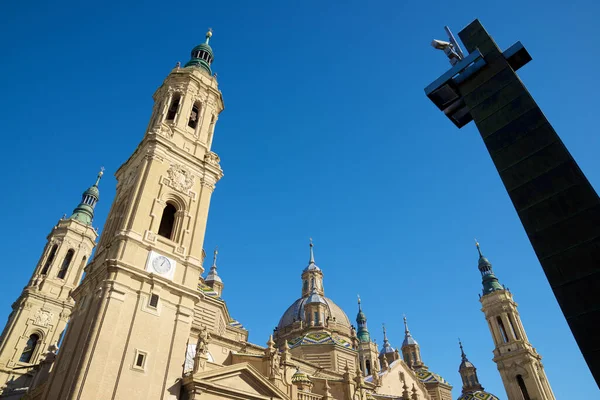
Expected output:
{"points": [[327, 134]]}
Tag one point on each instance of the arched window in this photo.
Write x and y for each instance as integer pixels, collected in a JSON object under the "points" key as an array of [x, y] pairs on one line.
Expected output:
{"points": [[49, 259], [512, 327], [167, 221], [65, 265], [173, 107], [502, 330], [29, 348], [80, 270], [368, 366], [194, 116], [523, 388]]}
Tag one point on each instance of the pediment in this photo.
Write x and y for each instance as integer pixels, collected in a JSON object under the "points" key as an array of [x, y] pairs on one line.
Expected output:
{"points": [[238, 380]]}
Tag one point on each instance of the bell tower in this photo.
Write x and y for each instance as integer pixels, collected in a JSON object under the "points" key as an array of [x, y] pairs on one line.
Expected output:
{"points": [[41, 312], [367, 350], [519, 363], [134, 309]]}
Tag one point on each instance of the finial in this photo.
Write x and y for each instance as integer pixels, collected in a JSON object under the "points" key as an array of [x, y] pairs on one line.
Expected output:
{"points": [[478, 248], [406, 331], [384, 334], [99, 176], [178, 65], [312, 255], [462, 352], [215, 256], [359, 308], [208, 35]]}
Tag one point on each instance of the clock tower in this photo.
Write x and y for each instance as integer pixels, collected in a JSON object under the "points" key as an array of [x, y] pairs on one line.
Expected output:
{"points": [[133, 315]]}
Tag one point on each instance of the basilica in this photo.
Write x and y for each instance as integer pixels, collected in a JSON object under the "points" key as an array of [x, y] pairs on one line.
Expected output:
{"points": [[145, 317]]}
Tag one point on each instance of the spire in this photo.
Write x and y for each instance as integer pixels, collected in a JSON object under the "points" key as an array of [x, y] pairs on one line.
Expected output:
{"points": [[84, 212], [202, 55], [212, 274], [468, 373], [311, 260], [386, 348], [489, 280], [408, 339], [361, 320]]}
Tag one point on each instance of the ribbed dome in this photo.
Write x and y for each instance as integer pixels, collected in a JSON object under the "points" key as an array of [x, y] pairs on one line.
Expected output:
{"points": [[465, 364], [478, 395], [387, 348], [295, 312]]}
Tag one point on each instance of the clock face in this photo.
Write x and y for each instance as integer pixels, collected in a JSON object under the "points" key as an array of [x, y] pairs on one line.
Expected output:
{"points": [[161, 264]]}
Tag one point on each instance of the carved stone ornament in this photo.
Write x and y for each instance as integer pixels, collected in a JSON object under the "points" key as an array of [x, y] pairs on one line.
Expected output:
{"points": [[180, 178], [163, 130], [43, 318], [212, 158]]}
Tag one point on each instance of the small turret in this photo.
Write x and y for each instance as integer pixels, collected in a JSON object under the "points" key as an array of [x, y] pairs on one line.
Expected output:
{"points": [[387, 352], [410, 349], [471, 388], [202, 55], [213, 279], [488, 279], [361, 321]]}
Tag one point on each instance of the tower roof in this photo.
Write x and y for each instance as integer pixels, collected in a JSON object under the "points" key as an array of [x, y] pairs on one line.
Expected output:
{"points": [[212, 274], [489, 280], [465, 363], [84, 212], [202, 55], [387, 347], [311, 261], [361, 320], [408, 339]]}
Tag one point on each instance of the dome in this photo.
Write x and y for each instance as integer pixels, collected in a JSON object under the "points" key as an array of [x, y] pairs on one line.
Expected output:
{"points": [[300, 377], [92, 191], [311, 267], [386, 349], [465, 364], [295, 312], [477, 395], [484, 262], [315, 298], [409, 340]]}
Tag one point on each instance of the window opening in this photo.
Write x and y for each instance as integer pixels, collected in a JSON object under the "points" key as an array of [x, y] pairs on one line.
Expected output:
{"points": [[512, 326], [49, 259], [154, 300], [29, 348], [81, 267], [368, 365], [139, 360], [174, 107], [194, 116], [523, 388], [65, 265], [167, 221], [502, 330]]}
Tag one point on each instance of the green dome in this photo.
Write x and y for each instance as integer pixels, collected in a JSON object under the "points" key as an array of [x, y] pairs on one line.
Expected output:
{"points": [[84, 212], [202, 55], [93, 191]]}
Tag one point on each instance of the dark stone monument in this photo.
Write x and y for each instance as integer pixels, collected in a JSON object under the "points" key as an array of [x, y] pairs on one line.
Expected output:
{"points": [[558, 207]]}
